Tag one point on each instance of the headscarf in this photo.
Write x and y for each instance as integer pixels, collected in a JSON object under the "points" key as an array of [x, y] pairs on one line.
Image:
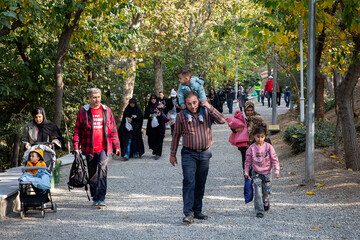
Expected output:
{"points": [[47, 129], [129, 111], [153, 106], [252, 121]]}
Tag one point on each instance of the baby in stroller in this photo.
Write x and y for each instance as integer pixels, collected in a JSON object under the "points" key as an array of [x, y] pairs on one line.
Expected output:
{"points": [[34, 184]]}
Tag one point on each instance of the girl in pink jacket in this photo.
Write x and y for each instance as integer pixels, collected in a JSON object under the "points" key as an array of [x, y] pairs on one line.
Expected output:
{"points": [[262, 158]]}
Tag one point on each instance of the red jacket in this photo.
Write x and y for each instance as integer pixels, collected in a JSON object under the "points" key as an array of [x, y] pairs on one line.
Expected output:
{"points": [[269, 86], [83, 132], [239, 139]]}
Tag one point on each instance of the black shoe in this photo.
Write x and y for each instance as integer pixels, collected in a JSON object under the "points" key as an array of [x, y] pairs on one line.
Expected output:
{"points": [[188, 219], [259, 215], [266, 206], [201, 216]]}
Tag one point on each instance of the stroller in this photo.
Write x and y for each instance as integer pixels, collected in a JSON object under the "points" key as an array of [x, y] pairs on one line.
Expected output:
{"points": [[31, 196]]}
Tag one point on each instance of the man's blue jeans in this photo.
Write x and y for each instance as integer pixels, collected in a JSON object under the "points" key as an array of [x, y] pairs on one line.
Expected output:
{"points": [[97, 167], [269, 98], [195, 167], [230, 104], [287, 98]]}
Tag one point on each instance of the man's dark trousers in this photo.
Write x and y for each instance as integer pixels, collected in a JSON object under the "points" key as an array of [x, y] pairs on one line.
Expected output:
{"points": [[97, 167], [230, 102], [195, 167]]}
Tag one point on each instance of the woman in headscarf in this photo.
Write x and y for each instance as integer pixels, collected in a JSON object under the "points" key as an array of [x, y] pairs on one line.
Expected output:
{"points": [[214, 99], [156, 134], [253, 120], [131, 141], [41, 130]]}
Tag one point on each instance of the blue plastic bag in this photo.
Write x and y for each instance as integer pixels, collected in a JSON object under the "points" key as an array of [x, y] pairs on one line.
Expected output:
{"points": [[248, 190]]}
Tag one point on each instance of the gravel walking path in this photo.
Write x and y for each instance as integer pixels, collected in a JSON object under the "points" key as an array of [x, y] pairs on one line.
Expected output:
{"points": [[144, 202]]}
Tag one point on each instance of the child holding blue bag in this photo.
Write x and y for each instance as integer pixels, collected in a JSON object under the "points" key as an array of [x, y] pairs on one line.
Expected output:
{"points": [[261, 156]]}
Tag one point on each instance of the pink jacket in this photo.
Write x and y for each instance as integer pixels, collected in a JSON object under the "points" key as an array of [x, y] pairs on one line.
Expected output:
{"points": [[262, 159], [239, 139]]}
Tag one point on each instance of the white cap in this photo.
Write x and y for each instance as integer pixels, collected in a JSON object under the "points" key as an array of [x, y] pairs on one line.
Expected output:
{"points": [[270, 77], [173, 94]]}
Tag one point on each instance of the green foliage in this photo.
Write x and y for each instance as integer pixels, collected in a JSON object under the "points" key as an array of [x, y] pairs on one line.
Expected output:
{"points": [[329, 103], [295, 136]]}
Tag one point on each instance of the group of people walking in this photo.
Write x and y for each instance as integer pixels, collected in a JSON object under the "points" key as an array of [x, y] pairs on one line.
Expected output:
{"points": [[190, 113], [268, 91]]}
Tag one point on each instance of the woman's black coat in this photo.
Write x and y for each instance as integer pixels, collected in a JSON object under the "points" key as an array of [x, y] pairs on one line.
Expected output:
{"points": [[135, 134]]}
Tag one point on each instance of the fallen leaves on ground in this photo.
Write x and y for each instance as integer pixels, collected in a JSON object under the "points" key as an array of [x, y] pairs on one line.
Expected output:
{"points": [[320, 185], [310, 193], [334, 156], [291, 173], [315, 228]]}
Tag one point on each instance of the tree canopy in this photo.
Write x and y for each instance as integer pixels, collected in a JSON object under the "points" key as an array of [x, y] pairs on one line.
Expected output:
{"points": [[53, 51]]}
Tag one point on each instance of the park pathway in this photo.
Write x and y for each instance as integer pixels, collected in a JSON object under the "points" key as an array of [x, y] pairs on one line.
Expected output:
{"points": [[144, 202]]}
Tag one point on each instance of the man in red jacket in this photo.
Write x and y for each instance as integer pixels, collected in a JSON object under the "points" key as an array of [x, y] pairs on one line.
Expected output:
{"points": [[95, 131], [269, 89]]}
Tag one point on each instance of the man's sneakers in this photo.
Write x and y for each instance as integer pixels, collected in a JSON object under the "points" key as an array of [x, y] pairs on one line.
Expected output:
{"points": [[188, 219], [259, 215], [99, 204], [266, 206], [201, 216]]}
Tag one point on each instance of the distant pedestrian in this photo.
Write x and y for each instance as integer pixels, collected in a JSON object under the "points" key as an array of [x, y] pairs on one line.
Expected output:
{"points": [[241, 97], [95, 131], [173, 107], [189, 83], [262, 96], [269, 90], [258, 88], [278, 94], [230, 96], [222, 98], [262, 158], [130, 131], [287, 95], [195, 154], [155, 128], [214, 99]]}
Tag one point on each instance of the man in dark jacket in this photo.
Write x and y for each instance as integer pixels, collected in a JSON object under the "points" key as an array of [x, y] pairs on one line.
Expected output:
{"points": [[230, 96], [95, 131], [222, 98]]}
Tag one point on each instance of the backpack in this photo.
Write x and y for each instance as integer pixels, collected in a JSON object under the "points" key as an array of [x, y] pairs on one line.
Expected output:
{"points": [[78, 176]]}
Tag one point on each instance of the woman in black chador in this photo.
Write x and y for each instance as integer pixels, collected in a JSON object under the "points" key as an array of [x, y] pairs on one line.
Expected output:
{"points": [[131, 141], [42, 130], [155, 128]]}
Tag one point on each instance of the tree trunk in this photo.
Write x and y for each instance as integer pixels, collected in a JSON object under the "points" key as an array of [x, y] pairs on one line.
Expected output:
{"points": [[128, 86], [351, 148], [16, 151], [63, 47], [158, 75], [319, 78]]}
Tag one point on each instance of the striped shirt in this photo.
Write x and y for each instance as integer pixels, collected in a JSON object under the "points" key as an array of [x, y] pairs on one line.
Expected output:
{"points": [[196, 132]]}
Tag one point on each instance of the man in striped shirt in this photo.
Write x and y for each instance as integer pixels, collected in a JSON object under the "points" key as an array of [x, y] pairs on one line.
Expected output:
{"points": [[195, 129]]}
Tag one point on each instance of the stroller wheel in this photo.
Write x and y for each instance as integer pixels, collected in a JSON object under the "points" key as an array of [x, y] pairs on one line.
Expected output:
{"points": [[53, 207], [22, 211], [43, 210]]}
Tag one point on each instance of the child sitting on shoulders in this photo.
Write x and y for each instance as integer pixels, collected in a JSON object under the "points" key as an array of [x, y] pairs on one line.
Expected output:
{"points": [[190, 83], [261, 156], [36, 160]]}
